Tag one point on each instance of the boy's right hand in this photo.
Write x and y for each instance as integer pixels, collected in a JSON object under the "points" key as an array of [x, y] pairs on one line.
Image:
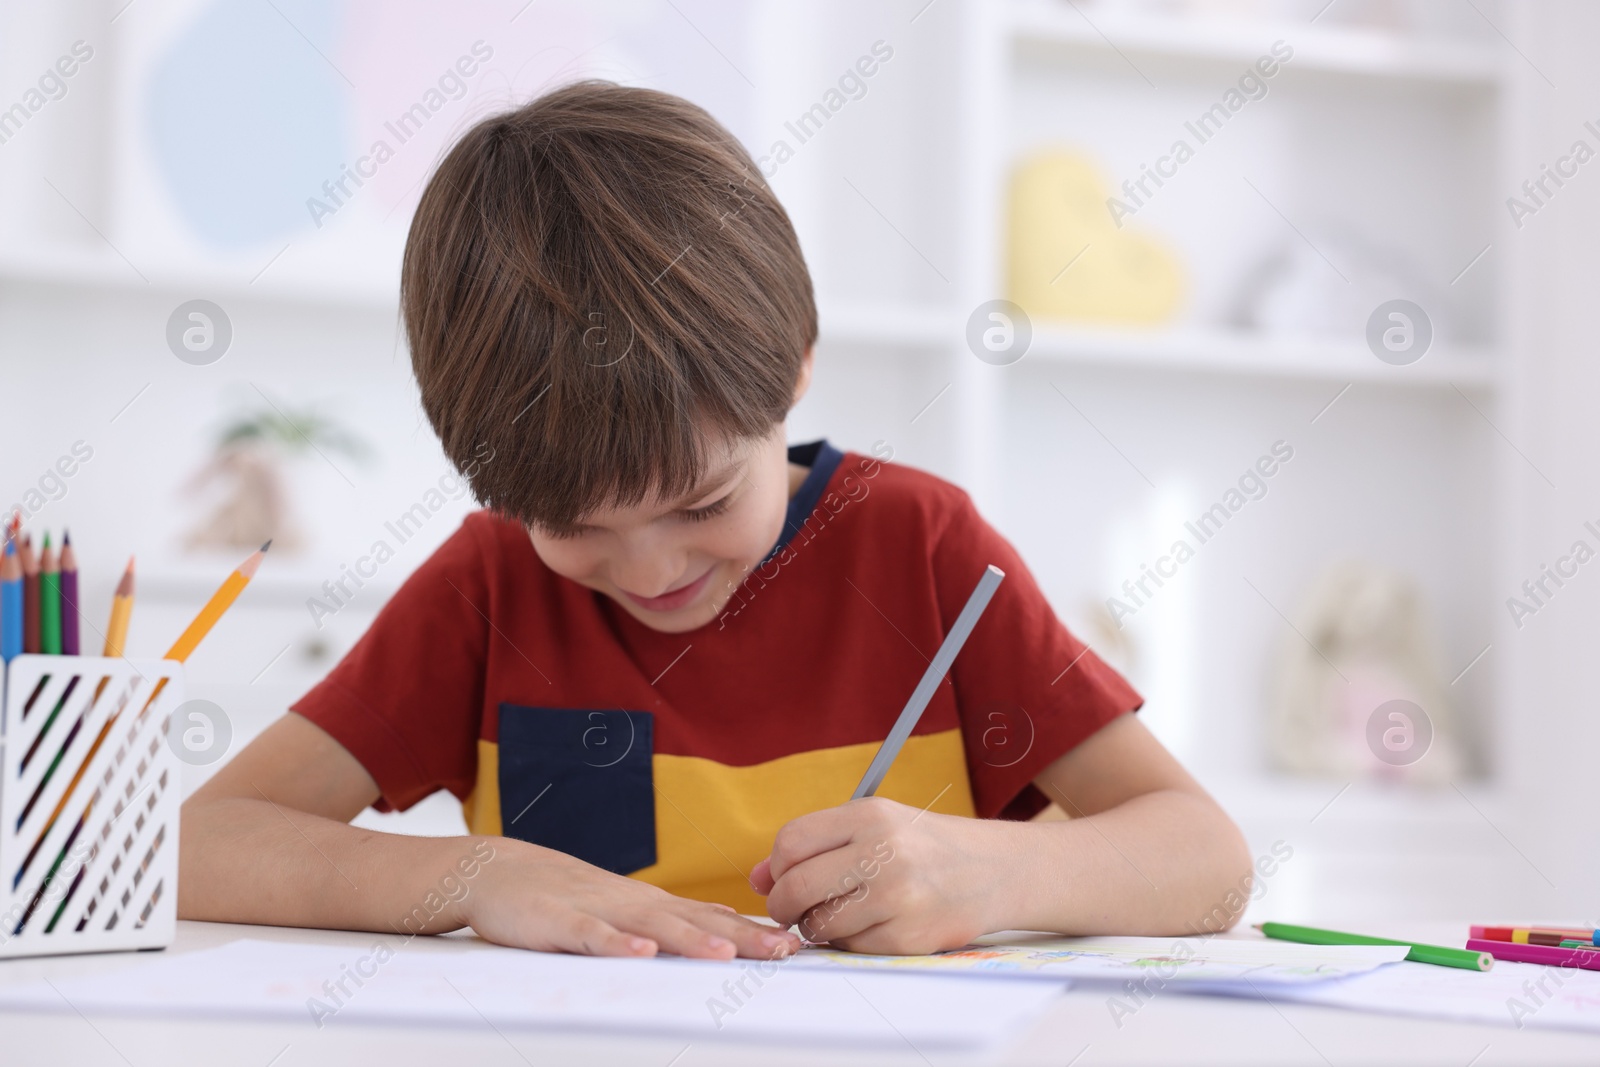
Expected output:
{"points": [[531, 897]]}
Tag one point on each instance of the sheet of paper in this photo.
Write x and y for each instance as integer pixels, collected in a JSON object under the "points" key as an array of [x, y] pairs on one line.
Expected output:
{"points": [[1200, 963], [434, 985], [1511, 994]]}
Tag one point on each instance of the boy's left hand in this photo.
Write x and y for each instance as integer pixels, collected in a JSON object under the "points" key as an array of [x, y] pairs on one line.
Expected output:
{"points": [[877, 876]]}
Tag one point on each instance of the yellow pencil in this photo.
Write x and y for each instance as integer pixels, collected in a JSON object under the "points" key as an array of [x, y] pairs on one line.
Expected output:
{"points": [[121, 612], [220, 602]]}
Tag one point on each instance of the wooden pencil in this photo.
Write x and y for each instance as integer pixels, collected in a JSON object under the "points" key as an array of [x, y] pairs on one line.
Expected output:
{"points": [[1521, 952], [10, 603], [69, 597], [121, 613], [49, 599], [1534, 935], [30, 595], [988, 582], [220, 602], [1439, 955]]}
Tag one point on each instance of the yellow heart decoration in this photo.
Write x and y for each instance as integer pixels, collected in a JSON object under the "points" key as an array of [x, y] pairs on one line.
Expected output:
{"points": [[1058, 211]]}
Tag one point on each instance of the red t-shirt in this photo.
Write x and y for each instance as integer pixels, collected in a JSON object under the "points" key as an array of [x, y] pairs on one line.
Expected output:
{"points": [[558, 718]]}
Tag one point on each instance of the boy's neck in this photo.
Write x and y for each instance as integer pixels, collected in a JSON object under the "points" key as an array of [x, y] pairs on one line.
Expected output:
{"points": [[797, 476]]}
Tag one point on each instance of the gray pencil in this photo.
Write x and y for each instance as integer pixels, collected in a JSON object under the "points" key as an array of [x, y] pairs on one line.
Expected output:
{"points": [[987, 584]]}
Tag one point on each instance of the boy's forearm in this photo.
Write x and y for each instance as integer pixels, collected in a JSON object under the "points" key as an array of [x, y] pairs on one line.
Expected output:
{"points": [[1166, 862], [251, 861]]}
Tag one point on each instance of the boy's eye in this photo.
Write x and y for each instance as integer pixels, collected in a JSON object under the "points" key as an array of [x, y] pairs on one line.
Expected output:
{"points": [[710, 511]]}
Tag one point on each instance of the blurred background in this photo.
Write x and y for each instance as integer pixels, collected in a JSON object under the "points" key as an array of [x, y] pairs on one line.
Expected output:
{"points": [[1304, 286]]}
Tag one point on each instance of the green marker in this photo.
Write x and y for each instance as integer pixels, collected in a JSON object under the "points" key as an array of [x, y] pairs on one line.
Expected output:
{"points": [[49, 600], [1438, 955]]}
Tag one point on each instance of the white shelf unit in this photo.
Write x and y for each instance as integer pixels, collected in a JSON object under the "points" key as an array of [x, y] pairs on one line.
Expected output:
{"points": [[372, 282], [1401, 132], [1228, 353], [1371, 94], [1336, 50]]}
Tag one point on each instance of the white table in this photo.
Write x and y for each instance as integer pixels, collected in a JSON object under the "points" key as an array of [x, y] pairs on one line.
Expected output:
{"points": [[1078, 1030]]}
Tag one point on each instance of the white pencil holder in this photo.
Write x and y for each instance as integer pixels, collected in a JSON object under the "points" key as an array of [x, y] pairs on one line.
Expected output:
{"points": [[88, 805]]}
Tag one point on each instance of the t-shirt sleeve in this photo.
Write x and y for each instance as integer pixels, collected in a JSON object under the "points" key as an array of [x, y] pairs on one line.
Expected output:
{"points": [[407, 701], [1028, 691]]}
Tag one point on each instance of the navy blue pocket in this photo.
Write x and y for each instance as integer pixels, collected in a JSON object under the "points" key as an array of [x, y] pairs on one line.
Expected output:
{"points": [[580, 782]]}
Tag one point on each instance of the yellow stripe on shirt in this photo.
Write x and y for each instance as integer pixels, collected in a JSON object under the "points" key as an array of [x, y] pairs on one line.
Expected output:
{"points": [[714, 822]]}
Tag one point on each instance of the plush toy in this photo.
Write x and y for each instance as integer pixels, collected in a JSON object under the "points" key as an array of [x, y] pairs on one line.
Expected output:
{"points": [[1358, 692], [1059, 216]]}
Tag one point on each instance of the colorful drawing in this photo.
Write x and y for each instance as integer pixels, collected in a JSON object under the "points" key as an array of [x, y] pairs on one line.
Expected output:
{"points": [[1210, 961]]}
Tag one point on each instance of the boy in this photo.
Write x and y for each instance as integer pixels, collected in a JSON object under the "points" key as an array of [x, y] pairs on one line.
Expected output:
{"points": [[656, 666]]}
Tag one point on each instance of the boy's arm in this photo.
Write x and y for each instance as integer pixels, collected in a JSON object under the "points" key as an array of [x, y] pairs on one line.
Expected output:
{"points": [[267, 841], [1145, 851]]}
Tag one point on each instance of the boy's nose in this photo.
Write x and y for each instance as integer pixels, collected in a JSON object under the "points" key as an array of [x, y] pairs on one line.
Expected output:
{"points": [[648, 575]]}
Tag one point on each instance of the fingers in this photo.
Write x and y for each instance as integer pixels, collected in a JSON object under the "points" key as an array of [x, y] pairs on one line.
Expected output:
{"points": [[754, 940], [676, 934], [845, 913], [761, 879], [705, 931], [826, 877], [591, 936], [842, 918], [811, 835], [894, 937]]}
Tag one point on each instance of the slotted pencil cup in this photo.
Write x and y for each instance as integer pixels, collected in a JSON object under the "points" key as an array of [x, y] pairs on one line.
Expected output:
{"points": [[88, 805]]}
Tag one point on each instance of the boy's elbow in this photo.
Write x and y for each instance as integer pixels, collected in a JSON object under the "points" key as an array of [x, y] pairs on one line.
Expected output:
{"points": [[1231, 879], [1237, 867]]}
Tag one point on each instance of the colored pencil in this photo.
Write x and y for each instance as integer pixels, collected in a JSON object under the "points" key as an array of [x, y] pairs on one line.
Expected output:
{"points": [[988, 582], [30, 595], [1438, 955], [1588, 945], [1535, 935], [1550, 955], [121, 612], [69, 597], [49, 599], [10, 603], [220, 602]]}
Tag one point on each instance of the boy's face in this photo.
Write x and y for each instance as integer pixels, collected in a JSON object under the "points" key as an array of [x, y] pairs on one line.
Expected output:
{"points": [[673, 564]]}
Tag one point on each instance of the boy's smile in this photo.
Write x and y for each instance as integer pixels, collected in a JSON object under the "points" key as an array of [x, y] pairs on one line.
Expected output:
{"points": [[672, 600]]}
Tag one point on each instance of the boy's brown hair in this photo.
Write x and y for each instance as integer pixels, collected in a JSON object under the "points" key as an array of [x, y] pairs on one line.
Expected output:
{"points": [[599, 289]]}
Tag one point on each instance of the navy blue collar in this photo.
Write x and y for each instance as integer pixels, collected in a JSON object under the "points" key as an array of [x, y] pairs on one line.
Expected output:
{"points": [[823, 459]]}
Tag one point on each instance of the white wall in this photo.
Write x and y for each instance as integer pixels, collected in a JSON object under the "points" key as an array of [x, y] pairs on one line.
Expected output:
{"points": [[1550, 694]]}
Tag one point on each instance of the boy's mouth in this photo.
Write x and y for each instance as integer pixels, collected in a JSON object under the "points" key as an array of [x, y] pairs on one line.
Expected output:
{"points": [[673, 599]]}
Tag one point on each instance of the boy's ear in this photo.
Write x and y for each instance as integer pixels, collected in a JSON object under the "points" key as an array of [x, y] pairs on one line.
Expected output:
{"points": [[803, 382]]}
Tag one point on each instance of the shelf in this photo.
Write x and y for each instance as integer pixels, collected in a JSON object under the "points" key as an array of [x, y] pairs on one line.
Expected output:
{"points": [[337, 282], [1192, 350], [1255, 356], [1360, 53]]}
